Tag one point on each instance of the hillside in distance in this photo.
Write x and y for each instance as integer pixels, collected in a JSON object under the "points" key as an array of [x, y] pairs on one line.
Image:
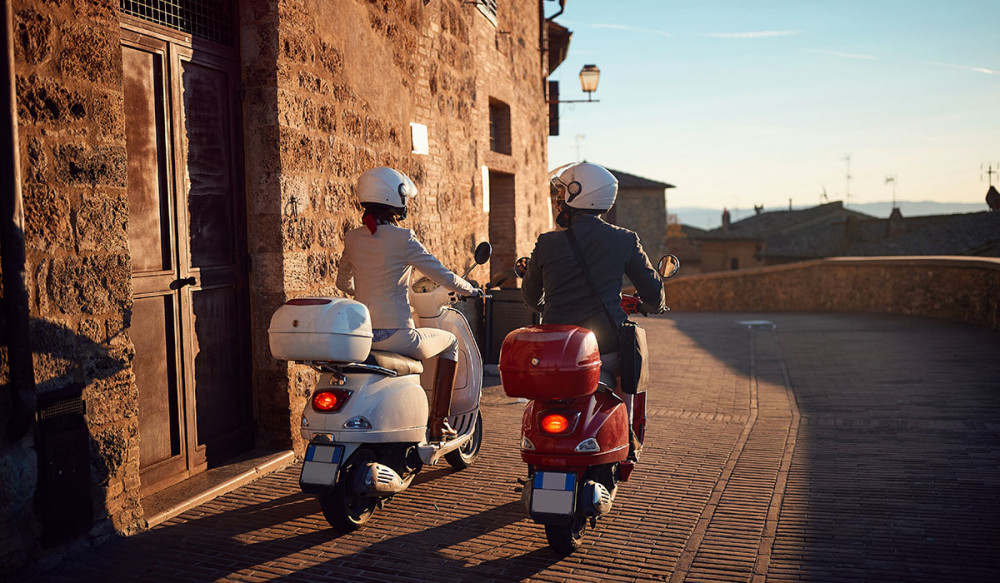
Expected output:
{"points": [[710, 218]]}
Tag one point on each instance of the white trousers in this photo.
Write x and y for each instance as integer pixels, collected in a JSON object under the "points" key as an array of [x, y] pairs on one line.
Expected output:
{"points": [[421, 343]]}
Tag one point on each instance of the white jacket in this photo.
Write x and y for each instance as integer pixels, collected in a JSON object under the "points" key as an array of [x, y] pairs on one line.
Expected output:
{"points": [[376, 270]]}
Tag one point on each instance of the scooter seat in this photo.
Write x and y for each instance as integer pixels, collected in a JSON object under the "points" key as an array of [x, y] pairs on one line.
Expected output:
{"points": [[403, 365]]}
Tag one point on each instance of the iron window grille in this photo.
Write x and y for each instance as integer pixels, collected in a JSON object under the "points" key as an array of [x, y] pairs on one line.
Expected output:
{"points": [[208, 19]]}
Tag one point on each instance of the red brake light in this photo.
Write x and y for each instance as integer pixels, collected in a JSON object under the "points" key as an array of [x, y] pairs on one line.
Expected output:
{"points": [[554, 423], [330, 401]]}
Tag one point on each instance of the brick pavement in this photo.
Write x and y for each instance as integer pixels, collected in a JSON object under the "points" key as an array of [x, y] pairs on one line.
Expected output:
{"points": [[830, 447]]}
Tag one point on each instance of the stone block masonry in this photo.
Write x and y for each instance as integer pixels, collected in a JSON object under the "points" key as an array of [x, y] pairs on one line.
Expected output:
{"points": [[963, 289], [347, 82], [326, 90]]}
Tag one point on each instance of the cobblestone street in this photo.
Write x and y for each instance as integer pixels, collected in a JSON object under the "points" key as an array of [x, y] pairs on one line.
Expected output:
{"points": [[780, 447]]}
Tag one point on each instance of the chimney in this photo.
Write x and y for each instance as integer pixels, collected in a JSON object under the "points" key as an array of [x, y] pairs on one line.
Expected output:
{"points": [[993, 198], [725, 219], [894, 226]]}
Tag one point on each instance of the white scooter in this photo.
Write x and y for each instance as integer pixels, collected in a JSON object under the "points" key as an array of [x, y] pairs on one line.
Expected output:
{"points": [[366, 422]]}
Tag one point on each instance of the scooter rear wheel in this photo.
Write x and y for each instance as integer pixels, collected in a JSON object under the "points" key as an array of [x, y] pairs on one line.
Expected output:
{"points": [[344, 510], [463, 457], [564, 539]]}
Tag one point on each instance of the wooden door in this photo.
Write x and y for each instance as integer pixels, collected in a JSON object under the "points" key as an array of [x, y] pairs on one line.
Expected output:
{"points": [[190, 311]]}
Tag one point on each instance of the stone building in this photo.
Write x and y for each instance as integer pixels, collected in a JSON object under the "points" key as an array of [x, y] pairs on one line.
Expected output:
{"points": [[642, 207], [183, 168]]}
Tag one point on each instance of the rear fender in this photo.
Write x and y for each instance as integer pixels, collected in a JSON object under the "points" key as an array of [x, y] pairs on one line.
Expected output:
{"points": [[601, 416], [395, 407]]}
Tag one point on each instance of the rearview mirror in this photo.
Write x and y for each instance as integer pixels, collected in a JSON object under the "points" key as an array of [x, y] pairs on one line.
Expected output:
{"points": [[668, 266], [483, 252], [521, 266]]}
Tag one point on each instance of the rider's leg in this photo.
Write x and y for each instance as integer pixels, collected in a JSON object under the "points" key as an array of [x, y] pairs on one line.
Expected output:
{"points": [[611, 365]]}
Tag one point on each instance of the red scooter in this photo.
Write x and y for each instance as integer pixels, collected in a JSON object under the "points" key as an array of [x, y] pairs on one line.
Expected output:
{"points": [[574, 432]]}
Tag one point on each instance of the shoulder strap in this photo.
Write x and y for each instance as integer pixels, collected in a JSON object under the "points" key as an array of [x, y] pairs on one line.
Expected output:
{"points": [[586, 275]]}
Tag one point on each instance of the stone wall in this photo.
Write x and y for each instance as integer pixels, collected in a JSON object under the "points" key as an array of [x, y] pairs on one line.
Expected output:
{"points": [[719, 255], [330, 89], [72, 154], [331, 92], [956, 288], [644, 210]]}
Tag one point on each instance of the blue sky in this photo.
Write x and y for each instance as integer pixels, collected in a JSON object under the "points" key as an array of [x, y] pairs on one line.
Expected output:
{"points": [[742, 103]]}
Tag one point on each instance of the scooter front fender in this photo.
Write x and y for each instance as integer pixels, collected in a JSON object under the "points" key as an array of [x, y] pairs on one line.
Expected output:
{"points": [[469, 372]]}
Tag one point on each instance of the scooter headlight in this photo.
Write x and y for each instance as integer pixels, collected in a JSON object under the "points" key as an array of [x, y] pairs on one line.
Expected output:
{"points": [[588, 445], [526, 444]]}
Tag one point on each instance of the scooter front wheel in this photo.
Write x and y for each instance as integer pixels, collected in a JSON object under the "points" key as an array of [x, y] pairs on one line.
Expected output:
{"points": [[564, 539], [345, 510], [463, 457]]}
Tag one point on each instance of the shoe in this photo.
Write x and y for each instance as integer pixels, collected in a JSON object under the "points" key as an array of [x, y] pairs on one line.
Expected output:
{"points": [[447, 432]]}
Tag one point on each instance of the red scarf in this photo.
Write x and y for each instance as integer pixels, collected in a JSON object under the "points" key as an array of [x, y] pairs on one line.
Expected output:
{"points": [[369, 220]]}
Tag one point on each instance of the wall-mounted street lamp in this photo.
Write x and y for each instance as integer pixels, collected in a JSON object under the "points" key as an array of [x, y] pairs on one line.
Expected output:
{"points": [[589, 76]]}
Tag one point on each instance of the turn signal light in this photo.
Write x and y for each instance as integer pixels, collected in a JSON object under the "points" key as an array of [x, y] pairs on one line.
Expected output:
{"points": [[330, 401], [555, 423]]}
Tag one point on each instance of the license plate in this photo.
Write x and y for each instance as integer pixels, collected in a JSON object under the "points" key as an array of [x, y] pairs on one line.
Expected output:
{"points": [[553, 493], [321, 464]]}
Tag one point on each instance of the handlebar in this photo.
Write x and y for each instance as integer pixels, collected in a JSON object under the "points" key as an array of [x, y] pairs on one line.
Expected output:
{"points": [[462, 297]]}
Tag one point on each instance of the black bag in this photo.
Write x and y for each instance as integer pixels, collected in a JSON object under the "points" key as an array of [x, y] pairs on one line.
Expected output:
{"points": [[632, 353], [633, 356]]}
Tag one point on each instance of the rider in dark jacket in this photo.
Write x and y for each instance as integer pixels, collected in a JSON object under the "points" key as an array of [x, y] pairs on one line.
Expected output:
{"points": [[555, 284]]}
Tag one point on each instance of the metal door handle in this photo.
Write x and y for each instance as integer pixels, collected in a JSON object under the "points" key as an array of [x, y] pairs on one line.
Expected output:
{"points": [[179, 283]]}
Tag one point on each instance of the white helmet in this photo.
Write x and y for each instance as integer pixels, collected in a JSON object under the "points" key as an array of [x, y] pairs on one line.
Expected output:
{"points": [[587, 186], [386, 186]]}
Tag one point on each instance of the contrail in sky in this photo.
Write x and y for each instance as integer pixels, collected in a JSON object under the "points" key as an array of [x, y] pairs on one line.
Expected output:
{"points": [[631, 28], [965, 68], [844, 55]]}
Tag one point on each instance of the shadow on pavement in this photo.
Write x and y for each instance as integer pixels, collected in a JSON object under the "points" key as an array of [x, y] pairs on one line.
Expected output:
{"points": [[895, 463]]}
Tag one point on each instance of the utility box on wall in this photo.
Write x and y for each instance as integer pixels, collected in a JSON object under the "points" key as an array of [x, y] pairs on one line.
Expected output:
{"points": [[63, 465]]}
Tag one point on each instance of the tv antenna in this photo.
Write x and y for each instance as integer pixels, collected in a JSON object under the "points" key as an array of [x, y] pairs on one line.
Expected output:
{"points": [[847, 195], [579, 141], [990, 171], [892, 180], [823, 198]]}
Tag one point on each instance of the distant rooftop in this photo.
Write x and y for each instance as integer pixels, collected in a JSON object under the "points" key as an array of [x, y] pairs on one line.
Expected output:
{"points": [[626, 180], [769, 223], [831, 230]]}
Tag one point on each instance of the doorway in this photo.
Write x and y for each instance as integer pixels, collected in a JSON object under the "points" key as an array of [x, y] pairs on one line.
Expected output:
{"points": [[190, 315]]}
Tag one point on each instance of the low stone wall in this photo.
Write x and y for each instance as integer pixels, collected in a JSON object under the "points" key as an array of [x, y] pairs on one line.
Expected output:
{"points": [[965, 289]]}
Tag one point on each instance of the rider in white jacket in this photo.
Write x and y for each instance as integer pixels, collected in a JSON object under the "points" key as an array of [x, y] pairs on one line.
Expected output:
{"points": [[375, 268]]}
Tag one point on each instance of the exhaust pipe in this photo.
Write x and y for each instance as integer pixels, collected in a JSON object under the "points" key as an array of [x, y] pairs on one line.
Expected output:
{"points": [[376, 479], [598, 498]]}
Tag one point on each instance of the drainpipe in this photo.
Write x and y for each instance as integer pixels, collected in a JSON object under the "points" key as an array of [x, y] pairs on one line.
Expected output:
{"points": [[17, 421], [543, 40], [562, 6]]}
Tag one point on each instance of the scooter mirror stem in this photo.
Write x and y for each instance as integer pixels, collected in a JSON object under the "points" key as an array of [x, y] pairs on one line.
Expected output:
{"points": [[482, 254]]}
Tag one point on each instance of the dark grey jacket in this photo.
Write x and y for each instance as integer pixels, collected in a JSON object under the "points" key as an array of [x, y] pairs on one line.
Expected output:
{"points": [[555, 279]]}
